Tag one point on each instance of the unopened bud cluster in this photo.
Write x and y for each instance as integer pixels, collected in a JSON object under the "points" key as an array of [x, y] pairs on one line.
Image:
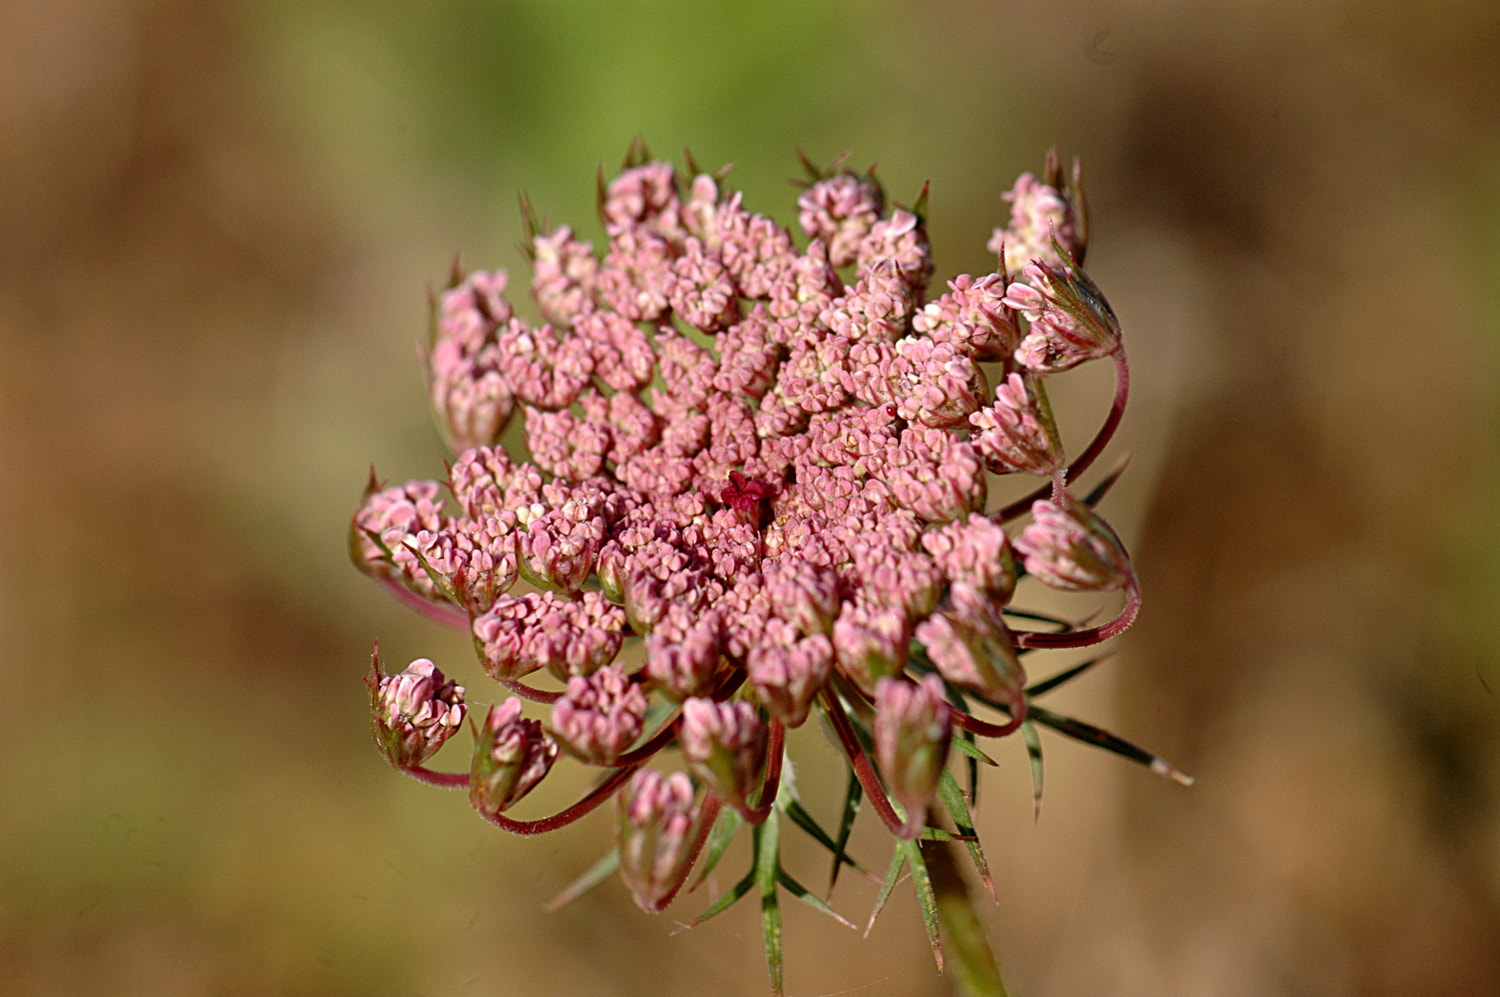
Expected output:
{"points": [[770, 456]]}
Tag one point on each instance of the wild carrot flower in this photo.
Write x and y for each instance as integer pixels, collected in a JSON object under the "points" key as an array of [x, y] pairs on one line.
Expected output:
{"points": [[776, 468]]}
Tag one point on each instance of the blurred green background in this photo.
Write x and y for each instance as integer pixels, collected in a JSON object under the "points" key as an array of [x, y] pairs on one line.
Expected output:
{"points": [[217, 225]]}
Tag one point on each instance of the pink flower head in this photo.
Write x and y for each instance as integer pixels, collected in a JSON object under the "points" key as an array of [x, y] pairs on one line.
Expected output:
{"points": [[1017, 432], [913, 728], [971, 647], [600, 716], [786, 671], [724, 745], [768, 464], [414, 712], [644, 197], [902, 239], [563, 272], [660, 818], [972, 317], [1039, 214], [1070, 320], [841, 210], [682, 652], [511, 755], [1068, 547], [975, 551], [520, 634]]}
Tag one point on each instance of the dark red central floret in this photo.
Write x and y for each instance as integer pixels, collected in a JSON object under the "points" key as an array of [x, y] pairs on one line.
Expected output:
{"points": [[747, 495]]}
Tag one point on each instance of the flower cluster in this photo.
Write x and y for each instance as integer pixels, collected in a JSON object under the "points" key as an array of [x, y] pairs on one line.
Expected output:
{"points": [[770, 464]]}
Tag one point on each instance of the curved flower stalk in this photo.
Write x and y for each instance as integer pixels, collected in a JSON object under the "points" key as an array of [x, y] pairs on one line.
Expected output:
{"points": [[773, 466]]}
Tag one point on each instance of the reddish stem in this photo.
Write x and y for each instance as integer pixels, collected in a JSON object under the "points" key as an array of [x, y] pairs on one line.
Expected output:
{"points": [[527, 692], [444, 780], [596, 796], [664, 733], [860, 762], [772, 782], [984, 728], [1090, 453], [445, 613], [1093, 635]]}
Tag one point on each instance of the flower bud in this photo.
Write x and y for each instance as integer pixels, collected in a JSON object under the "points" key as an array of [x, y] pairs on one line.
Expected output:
{"points": [[682, 652], [724, 745], [1068, 547], [511, 755], [659, 824], [787, 673], [971, 647], [413, 712], [1070, 320], [871, 640], [913, 727], [1017, 432], [976, 551], [599, 717]]}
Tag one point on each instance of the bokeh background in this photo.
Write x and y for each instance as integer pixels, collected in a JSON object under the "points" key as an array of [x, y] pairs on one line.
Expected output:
{"points": [[218, 223]]}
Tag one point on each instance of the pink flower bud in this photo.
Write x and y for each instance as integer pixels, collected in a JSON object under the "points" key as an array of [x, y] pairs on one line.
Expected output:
{"points": [[682, 652], [558, 548], [913, 728], [786, 673], [1068, 547], [756, 251], [562, 276], [975, 551], [971, 646], [413, 712], [660, 820], [805, 595], [724, 745], [934, 384], [511, 756], [599, 717], [1017, 432], [870, 641], [841, 210], [520, 634], [644, 196], [972, 317], [1070, 320], [901, 239], [544, 367], [397, 516], [700, 290], [1039, 214]]}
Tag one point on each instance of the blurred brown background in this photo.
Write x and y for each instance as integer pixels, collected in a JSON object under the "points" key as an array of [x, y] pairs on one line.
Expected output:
{"points": [[217, 224]]}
